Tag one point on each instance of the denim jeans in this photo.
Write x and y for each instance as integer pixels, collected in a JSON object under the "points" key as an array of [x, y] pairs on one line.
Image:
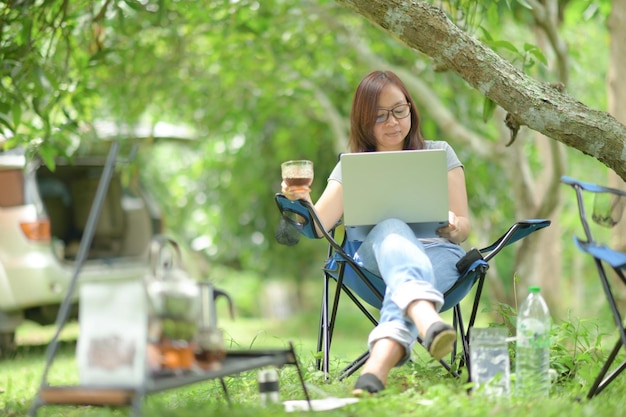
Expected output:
{"points": [[412, 270]]}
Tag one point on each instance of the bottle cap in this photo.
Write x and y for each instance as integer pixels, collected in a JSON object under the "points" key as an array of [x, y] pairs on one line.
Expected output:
{"points": [[534, 289]]}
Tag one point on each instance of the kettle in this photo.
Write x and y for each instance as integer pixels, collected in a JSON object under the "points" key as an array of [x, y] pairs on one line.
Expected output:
{"points": [[173, 294]]}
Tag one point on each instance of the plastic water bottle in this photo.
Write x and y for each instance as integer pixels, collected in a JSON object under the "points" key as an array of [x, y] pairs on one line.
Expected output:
{"points": [[532, 363]]}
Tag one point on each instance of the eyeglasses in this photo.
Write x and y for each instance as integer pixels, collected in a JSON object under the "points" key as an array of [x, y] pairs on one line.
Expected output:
{"points": [[399, 112]]}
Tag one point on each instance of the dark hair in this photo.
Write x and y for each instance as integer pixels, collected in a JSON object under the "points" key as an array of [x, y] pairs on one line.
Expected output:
{"points": [[364, 110]]}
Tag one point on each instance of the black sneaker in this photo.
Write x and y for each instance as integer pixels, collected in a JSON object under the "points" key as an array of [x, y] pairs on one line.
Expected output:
{"points": [[367, 384], [440, 339]]}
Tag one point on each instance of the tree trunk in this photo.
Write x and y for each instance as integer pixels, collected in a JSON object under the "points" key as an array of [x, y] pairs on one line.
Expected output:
{"points": [[616, 93]]}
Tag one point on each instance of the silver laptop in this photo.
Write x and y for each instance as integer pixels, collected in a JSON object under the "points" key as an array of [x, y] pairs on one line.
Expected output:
{"points": [[408, 185]]}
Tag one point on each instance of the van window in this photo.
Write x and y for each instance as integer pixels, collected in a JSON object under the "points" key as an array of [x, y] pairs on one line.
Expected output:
{"points": [[11, 188]]}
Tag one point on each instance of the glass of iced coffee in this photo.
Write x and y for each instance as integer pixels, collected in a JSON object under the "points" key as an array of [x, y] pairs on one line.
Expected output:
{"points": [[297, 173]]}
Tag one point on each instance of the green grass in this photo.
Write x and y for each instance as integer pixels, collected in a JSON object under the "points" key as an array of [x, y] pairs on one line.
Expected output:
{"points": [[422, 387]]}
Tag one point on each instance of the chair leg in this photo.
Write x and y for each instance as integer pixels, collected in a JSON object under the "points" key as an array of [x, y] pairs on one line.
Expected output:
{"points": [[360, 361], [460, 328], [601, 382], [466, 329], [449, 368], [327, 323], [360, 306], [323, 342], [617, 317], [354, 366], [479, 291], [335, 308]]}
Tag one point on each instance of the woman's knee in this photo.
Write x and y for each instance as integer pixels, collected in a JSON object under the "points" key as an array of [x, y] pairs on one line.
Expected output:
{"points": [[393, 227], [393, 224]]}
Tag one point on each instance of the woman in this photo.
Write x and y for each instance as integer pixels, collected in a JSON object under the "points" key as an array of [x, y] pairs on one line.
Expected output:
{"points": [[416, 271]]}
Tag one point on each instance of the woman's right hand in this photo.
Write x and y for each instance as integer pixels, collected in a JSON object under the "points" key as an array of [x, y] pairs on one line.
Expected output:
{"points": [[293, 192]]}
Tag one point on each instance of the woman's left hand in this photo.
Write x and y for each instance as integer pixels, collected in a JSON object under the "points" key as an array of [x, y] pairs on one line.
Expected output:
{"points": [[451, 230]]}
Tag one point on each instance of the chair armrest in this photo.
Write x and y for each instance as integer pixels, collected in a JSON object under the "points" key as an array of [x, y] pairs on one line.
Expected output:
{"points": [[467, 261], [516, 232], [593, 188], [306, 210], [303, 221]]}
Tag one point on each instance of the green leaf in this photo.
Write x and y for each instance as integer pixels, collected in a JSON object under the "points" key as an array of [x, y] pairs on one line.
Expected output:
{"points": [[48, 153], [504, 44], [488, 108], [525, 4], [535, 51], [43, 82], [4, 120], [486, 34], [135, 5], [26, 32], [16, 111]]}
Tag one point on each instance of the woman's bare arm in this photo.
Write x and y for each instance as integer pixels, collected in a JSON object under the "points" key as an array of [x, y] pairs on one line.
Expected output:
{"points": [[458, 228]]}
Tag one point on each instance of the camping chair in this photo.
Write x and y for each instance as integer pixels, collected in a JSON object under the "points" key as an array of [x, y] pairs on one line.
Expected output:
{"points": [[608, 206], [361, 286]]}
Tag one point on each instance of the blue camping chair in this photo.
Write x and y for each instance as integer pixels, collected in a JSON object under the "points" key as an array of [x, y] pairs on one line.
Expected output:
{"points": [[608, 206], [363, 287]]}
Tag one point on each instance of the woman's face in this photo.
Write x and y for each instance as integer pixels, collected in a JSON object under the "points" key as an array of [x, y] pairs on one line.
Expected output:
{"points": [[390, 133]]}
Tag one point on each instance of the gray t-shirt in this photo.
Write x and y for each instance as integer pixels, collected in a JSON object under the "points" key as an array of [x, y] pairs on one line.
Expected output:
{"points": [[453, 160]]}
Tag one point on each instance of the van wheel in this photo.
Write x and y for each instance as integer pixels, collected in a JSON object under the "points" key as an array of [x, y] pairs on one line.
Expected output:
{"points": [[7, 344]]}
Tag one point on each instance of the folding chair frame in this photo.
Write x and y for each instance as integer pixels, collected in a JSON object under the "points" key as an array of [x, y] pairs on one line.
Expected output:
{"points": [[617, 262], [473, 268]]}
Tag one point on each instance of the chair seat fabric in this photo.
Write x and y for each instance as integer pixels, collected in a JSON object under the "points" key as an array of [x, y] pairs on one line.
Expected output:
{"points": [[612, 257]]}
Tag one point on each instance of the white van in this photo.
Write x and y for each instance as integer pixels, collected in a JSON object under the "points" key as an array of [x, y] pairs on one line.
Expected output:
{"points": [[43, 215]]}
